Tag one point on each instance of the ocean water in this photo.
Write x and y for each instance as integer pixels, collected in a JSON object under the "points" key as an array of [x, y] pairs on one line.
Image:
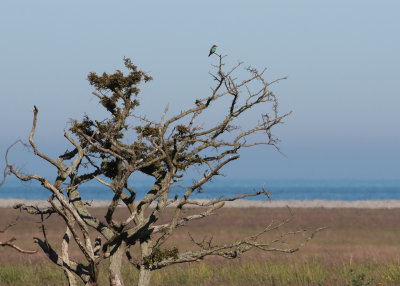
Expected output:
{"points": [[346, 190]]}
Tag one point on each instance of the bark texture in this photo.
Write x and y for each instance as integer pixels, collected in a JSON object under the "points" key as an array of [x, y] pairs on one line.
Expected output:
{"points": [[116, 263], [144, 276]]}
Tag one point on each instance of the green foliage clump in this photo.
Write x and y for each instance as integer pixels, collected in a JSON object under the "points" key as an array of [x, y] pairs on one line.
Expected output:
{"points": [[185, 160], [118, 82], [84, 127], [110, 103], [182, 129], [147, 131], [159, 255], [110, 168]]}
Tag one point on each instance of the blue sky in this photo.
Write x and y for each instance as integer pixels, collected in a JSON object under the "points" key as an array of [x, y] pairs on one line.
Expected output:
{"points": [[341, 58]]}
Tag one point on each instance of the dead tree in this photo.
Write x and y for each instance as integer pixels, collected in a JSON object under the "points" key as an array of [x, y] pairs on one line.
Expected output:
{"points": [[111, 150]]}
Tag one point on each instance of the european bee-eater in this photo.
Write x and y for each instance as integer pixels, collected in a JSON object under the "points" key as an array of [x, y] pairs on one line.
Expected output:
{"points": [[212, 50]]}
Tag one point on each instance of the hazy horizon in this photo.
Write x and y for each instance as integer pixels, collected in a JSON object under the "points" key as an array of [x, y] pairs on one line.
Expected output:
{"points": [[341, 58]]}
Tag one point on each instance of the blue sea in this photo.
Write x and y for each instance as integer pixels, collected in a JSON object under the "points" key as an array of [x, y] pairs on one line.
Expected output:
{"points": [[345, 190]]}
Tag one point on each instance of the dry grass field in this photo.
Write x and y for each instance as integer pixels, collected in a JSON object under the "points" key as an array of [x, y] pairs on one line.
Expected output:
{"points": [[359, 247]]}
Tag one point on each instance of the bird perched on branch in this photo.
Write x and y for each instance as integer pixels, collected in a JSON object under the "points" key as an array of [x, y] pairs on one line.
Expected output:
{"points": [[212, 50]]}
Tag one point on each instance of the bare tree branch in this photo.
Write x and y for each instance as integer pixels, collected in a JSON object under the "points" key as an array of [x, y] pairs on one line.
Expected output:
{"points": [[114, 149], [10, 242]]}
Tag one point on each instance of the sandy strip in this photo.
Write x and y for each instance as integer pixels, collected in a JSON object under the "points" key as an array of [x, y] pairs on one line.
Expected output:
{"points": [[383, 204]]}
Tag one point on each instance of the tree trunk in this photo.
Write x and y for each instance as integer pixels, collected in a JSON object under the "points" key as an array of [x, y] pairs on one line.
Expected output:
{"points": [[144, 273], [116, 264], [94, 273], [144, 276], [70, 277]]}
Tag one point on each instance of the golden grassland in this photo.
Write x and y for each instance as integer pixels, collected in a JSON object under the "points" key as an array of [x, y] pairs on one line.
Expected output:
{"points": [[359, 247]]}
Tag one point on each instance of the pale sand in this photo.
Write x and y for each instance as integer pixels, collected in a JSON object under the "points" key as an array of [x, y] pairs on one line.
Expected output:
{"points": [[382, 204]]}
